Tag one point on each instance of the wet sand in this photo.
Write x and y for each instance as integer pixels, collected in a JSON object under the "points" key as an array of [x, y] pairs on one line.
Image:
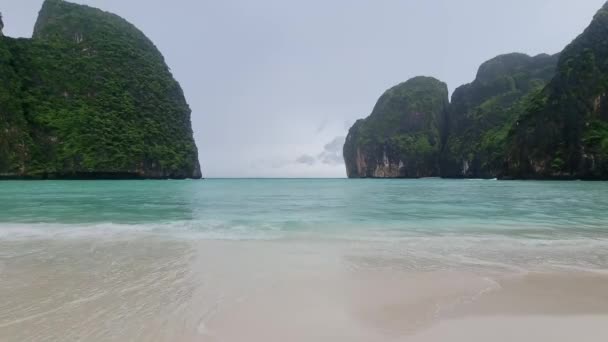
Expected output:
{"points": [[152, 288]]}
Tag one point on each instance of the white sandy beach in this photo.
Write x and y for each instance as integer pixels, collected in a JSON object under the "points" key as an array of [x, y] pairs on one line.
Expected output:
{"points": [[155, 289]]}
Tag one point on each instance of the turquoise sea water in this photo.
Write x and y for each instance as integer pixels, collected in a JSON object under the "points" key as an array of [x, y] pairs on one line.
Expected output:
{"points": [[336, 208]]}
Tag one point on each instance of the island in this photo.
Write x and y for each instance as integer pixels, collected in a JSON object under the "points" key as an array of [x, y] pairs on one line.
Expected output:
{"points": [[523, 117], [89, 96]]}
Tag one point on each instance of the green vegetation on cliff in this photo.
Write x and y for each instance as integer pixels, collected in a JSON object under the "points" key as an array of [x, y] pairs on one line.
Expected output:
{"points": [[538, 117], [90, 96], [563, 132], [402, 136], [466, 138], [482, 113]]}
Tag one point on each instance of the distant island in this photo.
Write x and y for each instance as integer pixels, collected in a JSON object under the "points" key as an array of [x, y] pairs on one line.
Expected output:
{"points": [[89, 96], [543, 117]]}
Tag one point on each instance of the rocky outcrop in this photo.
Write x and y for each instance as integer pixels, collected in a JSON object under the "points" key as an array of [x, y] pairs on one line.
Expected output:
{"points": [[482, 113], [466, 139], [402, 136], [563, 131], [542, 117], [90, 96]]}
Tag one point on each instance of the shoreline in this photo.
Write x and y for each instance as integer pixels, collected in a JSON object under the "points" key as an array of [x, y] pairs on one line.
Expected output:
{"points": [[133, 177], [91, 177]]}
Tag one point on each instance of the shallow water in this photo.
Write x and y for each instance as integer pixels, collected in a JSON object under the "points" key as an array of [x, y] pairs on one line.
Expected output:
{"points": [[242, 209], [433, 223], [298, 260]]}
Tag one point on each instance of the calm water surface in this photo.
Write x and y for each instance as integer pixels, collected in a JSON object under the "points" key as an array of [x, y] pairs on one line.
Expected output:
{"points": [[251, 209]]}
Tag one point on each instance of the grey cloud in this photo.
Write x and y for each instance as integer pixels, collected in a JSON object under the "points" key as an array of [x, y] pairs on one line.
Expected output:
{"points": [[322, 126], [332, 153], [331, 159], [306, 159], [335, 145]]}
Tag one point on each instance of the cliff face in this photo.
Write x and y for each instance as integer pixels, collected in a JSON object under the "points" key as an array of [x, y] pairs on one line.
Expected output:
{"points": [[89, 96], [543, 117], [563, 132], [402, 136], [482, 112], [466, 139]]}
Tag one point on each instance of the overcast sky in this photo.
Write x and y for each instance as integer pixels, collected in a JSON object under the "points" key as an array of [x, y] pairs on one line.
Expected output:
{"points": [[275, 84]]}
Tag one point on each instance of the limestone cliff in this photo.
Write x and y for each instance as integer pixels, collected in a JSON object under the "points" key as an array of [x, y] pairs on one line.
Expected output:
{"points": [[482, 112], [90, 96], [402, 136], [563, 131], [542, 117]]}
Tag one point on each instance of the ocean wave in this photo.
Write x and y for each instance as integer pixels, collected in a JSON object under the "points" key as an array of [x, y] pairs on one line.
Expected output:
{"points": [[214, 230], [368, 247], [532, 237]]}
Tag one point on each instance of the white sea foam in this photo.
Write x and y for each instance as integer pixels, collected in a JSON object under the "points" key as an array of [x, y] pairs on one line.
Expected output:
{"points": [[407, 249], [174, 230]]}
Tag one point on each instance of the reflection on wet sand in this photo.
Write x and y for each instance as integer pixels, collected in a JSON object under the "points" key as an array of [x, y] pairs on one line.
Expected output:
{"points": [[148, 288]]}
